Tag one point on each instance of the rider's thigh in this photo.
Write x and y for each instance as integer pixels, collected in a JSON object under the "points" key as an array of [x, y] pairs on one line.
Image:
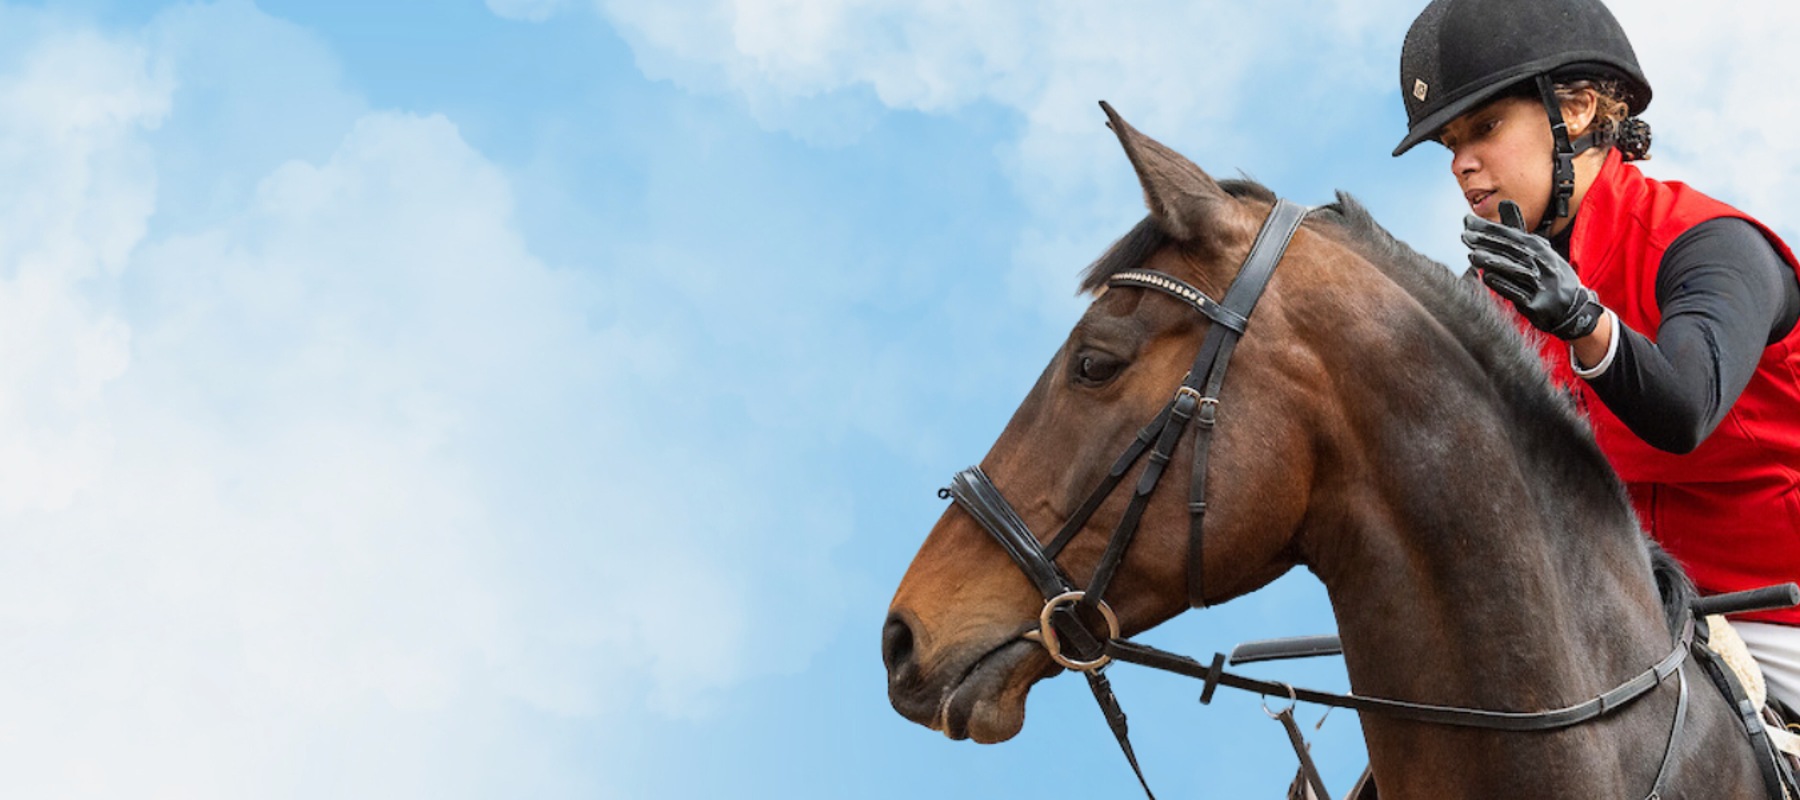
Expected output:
{"points": [[1777, 651]]}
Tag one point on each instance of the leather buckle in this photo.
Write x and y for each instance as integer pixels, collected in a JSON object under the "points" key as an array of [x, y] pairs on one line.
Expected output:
{"points": [[1208, 412]]}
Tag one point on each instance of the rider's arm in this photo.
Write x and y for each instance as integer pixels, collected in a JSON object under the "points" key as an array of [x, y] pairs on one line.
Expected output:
{"points": [[1725, 295]]}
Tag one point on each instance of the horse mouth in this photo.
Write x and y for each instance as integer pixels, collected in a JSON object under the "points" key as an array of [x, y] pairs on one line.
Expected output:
{"points": [[987, 704]]}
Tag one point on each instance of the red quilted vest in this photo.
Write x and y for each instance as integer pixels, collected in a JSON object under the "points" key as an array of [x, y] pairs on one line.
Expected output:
{"points": [[1730, 510]]}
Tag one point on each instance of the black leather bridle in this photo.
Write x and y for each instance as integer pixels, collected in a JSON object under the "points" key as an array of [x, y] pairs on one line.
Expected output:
{"points": [[1061, 631], [1073, 644]]}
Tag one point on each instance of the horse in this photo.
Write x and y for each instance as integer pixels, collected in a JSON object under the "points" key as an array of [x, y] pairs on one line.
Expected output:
{"points": [[1386, 427]]}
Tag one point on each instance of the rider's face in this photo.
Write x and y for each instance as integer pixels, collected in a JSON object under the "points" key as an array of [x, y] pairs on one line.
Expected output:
{"points": [[1502, 151]]}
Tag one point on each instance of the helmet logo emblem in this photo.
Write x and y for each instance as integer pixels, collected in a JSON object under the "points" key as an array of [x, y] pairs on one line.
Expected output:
{"points": [[1420, 89]]}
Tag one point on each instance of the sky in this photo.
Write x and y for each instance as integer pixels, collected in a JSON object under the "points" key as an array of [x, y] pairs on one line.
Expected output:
{"points": [[543, 398]]}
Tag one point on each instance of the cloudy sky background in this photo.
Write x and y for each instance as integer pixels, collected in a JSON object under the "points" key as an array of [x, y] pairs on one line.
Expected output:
{"points": [[542, 398]]}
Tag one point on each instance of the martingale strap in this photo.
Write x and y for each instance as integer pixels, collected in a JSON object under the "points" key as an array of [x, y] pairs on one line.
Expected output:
{"points": [[1214, 675], [1605, 704]]}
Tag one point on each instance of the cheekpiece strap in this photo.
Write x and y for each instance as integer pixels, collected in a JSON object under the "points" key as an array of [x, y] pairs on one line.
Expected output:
{"points": [[1207, 376]]}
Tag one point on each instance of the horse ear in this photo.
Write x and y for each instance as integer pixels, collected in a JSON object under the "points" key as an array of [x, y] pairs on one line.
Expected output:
{"points": [[1185, 202]]}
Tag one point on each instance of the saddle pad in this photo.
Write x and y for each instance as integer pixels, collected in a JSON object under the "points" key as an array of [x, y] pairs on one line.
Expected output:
{"points": [[1724, 640]]}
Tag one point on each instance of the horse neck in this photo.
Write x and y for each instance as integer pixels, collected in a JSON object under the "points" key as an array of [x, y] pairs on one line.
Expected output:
{"points": [[1474, 556]]}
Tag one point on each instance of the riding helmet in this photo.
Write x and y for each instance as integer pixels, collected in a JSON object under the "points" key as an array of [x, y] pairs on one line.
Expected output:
{"points": [[1461, 53]]}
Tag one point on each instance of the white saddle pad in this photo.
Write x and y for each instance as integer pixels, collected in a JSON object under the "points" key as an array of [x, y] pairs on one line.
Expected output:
{"points": [[1724, 640]]}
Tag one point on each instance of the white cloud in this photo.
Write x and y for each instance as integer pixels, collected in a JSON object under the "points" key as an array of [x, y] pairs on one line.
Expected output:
{"points": [[1223, 82], [1725, 104], [1198, 75], [79, 190], [310, 493]]}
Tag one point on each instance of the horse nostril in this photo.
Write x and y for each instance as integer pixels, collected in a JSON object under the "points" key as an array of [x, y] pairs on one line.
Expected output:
{"points": [[896, 643]]}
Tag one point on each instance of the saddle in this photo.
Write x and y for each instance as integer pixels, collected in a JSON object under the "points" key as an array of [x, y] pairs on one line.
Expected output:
{"points": [[1783, 724], [1778, 718], [1722, 655]]}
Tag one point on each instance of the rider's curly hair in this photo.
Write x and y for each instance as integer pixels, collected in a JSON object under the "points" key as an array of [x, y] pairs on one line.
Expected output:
{"points": [[1613, 123]]}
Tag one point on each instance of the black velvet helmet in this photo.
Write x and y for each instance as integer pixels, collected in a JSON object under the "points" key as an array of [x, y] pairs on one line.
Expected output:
{"points": [[1460, 54]]}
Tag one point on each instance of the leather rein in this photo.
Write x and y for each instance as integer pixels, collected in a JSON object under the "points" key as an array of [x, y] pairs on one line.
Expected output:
{"points": [[1073, 644]]}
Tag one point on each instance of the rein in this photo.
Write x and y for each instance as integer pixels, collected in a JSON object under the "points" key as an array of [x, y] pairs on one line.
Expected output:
{"points": [[1074, 645]]}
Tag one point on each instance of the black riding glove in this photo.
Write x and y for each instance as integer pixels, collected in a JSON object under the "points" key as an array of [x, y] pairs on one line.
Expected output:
{"points": [[1526, 270]]}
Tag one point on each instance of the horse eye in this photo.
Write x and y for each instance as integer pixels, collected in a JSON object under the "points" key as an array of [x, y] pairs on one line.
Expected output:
{"points": [[1095, 370]]}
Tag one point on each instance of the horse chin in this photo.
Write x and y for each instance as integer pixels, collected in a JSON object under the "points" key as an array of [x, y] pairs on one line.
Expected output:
{"points": [[988, 704]]}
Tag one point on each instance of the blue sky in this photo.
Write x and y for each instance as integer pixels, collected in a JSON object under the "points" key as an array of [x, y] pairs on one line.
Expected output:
{"points": [[542, 398]]}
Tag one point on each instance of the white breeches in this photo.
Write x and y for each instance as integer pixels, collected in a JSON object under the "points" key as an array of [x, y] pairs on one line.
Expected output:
{"points": [[1776, 649]]}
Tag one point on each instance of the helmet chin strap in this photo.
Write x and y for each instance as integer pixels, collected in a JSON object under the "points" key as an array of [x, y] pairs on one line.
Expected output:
{"points": [[1563, 177]]}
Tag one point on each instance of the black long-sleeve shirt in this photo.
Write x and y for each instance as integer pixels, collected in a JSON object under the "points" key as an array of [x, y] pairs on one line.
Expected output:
{"points": [[1725, 295]]}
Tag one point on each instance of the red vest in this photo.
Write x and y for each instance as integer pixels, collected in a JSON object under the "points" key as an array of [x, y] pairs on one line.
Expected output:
{"points": [[1730, 510]]}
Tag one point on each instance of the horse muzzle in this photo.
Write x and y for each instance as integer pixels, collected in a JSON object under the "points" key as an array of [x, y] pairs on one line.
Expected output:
{"points": [[974, 690]]}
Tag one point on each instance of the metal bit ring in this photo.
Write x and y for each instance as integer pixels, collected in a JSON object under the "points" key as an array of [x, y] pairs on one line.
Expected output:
{"points": [[1047, 632]]}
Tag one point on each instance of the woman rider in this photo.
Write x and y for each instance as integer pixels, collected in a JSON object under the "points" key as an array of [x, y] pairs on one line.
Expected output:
{"points": [[1670, 315]]}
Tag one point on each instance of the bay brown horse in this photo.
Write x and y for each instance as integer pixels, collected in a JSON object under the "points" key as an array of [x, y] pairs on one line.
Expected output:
{"points": [[1384, 427]]}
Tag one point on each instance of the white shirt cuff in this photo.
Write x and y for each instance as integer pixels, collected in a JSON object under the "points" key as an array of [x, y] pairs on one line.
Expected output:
{"points": [[1612, 349]]}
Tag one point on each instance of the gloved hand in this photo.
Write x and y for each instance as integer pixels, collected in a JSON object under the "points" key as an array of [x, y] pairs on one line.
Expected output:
{"points": [[1526, 270]]}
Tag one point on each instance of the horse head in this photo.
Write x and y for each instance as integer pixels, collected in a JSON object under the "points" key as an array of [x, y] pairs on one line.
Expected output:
{"points": [[957, 642]]}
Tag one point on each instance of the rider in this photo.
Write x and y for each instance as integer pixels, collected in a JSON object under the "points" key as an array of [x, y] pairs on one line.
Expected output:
{"points": [[1671, 316]]}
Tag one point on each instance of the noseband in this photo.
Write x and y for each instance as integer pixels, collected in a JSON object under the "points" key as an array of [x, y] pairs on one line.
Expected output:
{"points": [[1072, 643]]}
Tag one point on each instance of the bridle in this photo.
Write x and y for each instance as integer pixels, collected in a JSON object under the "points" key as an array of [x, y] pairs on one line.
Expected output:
{"points": [[1197, 399], [1074, 645]]}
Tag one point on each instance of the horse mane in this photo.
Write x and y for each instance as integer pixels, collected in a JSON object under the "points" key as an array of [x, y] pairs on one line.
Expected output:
{"points": [[1549, 425], [1461, 306], [1465, 308]]}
